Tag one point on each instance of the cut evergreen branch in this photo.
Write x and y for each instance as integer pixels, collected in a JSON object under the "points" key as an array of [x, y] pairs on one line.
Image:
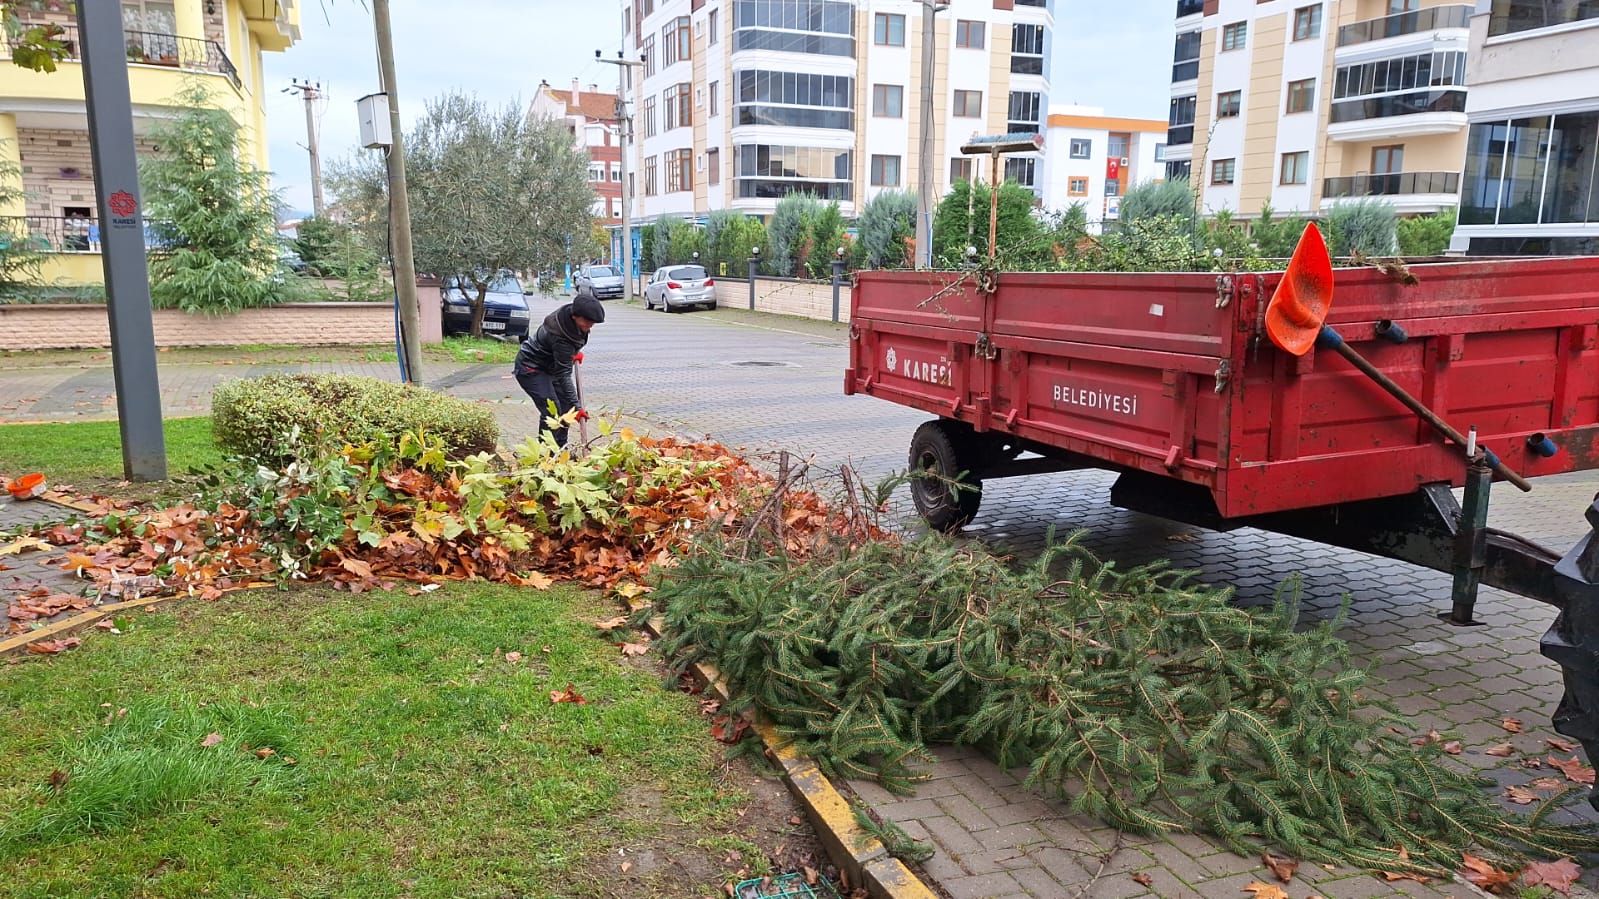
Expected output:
{"points": [[1140, 696]]}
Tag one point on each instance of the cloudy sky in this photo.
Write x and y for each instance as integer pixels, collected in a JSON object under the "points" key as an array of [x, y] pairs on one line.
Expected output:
{"points": [[501, 49]]}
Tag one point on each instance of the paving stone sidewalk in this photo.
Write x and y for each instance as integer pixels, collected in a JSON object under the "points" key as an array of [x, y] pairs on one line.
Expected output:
{"points": [[779, 387]]}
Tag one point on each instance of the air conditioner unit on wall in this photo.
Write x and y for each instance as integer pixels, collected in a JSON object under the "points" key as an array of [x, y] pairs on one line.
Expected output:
{"points": [[1124, 162]]}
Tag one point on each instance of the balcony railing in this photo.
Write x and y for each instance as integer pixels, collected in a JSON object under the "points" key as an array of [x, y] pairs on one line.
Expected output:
{"points": [[1189, 7], [1392, 184], [1179, 135], [153, 48], [52, 233], [1430, 19]]}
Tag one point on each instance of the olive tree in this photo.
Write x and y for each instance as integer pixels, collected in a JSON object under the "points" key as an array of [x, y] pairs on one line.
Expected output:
{"points": [[491, 190]]}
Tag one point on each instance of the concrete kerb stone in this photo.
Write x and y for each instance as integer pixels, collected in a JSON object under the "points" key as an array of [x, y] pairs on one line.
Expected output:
{"points": [[862, 857]]}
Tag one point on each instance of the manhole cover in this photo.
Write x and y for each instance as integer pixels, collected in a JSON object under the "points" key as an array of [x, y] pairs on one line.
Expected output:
{"points": [[756, 363]]}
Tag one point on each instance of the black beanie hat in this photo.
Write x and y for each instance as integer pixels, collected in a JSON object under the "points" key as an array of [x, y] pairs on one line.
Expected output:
{"points": [[589, 308]]}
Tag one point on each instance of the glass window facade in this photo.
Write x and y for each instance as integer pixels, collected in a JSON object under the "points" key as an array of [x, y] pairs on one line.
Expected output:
{"points": [[1180, 121], [772, 172], [1538, 170], [1511, 16], [1023, 114], [1426, 82], [679, 170], [677, 41], [1027, 49], [1023, 170], [800, 99], [820, 27], [1185, 58]]}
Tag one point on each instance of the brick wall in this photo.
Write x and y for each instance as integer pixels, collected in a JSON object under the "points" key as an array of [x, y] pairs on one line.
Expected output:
{"points": [[302, 324], [45, 153], [783, 296]]}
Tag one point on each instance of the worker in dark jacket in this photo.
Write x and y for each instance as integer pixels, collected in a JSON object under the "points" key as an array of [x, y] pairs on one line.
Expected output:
{"points": [[544, 363]]}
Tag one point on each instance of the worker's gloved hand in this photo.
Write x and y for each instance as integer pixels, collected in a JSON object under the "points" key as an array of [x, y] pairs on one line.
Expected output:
{"points": [[582, 415], [577, 357]]}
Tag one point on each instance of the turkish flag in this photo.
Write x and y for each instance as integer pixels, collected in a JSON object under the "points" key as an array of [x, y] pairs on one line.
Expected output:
{"points": [[1113, 168]]}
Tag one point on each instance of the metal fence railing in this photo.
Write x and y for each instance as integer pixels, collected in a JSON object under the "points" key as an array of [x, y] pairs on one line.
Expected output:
{"points": [[1391, 184], [52, 233], [1430, 19], [158, 49]]}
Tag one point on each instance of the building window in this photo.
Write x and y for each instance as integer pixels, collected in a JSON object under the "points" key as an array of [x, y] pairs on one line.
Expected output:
{"points": [[968, 104], [1232, 36], [1027, 49], [798, 99], [1420, 72], [1185, 58], [648, 50], [715, 100], [1307, 22], [1076, 187], [712, 20], [1222, 171], [885, 171], [677, 40], [669, 108], [1081, 148], [888, 30], [149, 17], [1295, 168], [1180, 121], [596, 172], [971, 35], [1301, 96], [1113, 188], [1511, 16], [1178, 171], [888, 101], [1160, 152], [1023, 114], [960, 169], [1023, 170], [649, 176], [1388, 160], [679, 170], [713, 165], [1229, 104], [819, 27], [648, 116], [616, 172], [685, 108], [770, 172]]}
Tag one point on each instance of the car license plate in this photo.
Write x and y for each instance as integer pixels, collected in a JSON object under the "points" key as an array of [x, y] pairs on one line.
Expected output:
{"points": [[494, 326]]}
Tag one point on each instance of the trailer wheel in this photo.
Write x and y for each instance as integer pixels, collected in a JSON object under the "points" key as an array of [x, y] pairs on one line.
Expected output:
{"points": [[942, 452]]}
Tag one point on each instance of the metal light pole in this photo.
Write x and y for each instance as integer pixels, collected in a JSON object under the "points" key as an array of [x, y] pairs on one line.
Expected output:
{"points": [[624, 125], [399, 205], [127, 279], [311, 93], [924, 216]]}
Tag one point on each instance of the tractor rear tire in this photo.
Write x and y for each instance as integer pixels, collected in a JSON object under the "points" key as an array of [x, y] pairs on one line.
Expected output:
{"points": [[943, 453]]}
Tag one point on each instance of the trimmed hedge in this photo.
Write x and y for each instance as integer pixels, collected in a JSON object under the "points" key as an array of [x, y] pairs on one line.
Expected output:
{"points": [[254, 417]]}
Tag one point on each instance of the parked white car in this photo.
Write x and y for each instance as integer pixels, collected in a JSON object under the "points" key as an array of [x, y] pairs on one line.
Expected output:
{"points": [[676, 286]]}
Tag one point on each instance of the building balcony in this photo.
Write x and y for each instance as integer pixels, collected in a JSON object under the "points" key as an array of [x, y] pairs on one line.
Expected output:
{"points": [[189, 54], [1184, 71], [1186, 8], [1411, 114], [1416, 21], [1407, 192]]}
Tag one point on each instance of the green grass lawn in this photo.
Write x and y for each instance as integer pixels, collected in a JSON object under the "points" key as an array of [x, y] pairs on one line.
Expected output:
{"points": [[428, 758], [69, 452]]}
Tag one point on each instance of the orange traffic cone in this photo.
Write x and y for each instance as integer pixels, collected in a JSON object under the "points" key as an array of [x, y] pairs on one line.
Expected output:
{"points": [[1300, 303]]}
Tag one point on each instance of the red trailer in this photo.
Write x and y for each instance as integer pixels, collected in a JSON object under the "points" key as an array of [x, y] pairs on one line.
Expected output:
{"points": [[1171, 380]]}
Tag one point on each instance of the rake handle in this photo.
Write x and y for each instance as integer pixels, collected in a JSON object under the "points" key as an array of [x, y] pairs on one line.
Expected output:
{"points": [[1331, 339]]}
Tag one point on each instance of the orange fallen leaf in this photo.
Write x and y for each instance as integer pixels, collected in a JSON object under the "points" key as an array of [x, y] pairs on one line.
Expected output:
{"points": [[1557, 876], [1452, 747], [211, 740], [568, 695], [1143, 879], [1503, 750], [635, 649], [1430, 737], [51, 647], [611, 624], [1283, 868], [1484, 874], [1559, 745], [513, 657], [1511, 724], [1266, 890], [1548, 784], [1521, 795], [1574, 770]]}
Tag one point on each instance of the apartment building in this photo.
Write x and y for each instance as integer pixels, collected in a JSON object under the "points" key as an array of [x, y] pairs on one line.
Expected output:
{"points": [[1528, 185], [1302, 104], [591, 117], [1092, 159], [741, 102], [170, 43]]}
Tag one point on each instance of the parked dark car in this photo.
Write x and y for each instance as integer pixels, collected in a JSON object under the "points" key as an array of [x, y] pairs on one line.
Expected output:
{"points": [[505, 310], [603, 282]]}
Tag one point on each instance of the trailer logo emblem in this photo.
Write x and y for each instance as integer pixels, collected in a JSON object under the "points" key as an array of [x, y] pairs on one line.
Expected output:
{"points": [[892, 359]]}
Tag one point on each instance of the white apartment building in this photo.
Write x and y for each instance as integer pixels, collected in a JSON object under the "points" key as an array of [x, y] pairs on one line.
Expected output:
{"points": [[741, 102], [1532, 153], [1093, 159]]}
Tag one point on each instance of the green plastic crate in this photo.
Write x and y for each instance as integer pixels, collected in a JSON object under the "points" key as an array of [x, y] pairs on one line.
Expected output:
{"points": [[786, 886]]}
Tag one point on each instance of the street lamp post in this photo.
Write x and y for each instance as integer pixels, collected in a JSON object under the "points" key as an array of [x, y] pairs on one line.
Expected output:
{"points": [[924, 215], [624, 125]]}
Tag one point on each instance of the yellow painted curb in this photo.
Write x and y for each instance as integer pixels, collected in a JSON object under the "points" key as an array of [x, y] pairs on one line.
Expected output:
{"points": [[862, 857]]}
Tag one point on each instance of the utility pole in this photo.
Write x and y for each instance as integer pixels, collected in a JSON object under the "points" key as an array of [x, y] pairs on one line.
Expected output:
{"points": [[924, 215], [311, 93], [624, 128], [399, 205], [127, 278]]}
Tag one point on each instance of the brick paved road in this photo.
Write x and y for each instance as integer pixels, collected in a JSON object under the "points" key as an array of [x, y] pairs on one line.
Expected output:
{"points": [[779, 386]]}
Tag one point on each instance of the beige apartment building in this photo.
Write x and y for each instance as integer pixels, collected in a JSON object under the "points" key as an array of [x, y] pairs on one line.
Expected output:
{"points": [[1302, 104]]}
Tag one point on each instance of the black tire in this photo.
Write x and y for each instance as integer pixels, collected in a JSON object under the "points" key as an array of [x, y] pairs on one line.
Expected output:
{"points": [[944, 450]]}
